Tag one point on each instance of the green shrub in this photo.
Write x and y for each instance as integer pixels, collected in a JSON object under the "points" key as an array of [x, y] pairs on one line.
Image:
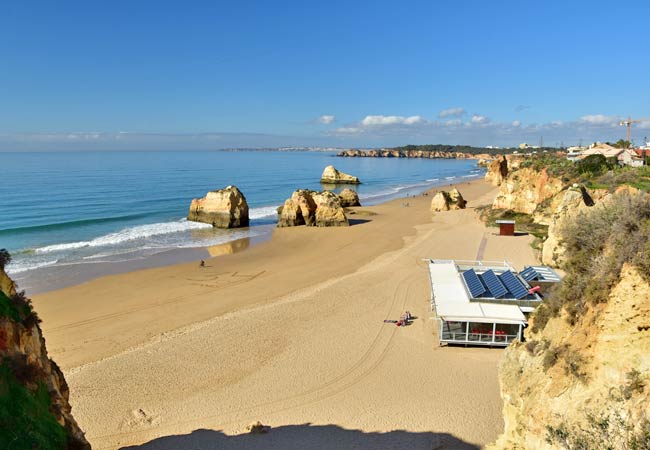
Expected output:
{"points": [[574, 364], [551, 357], [605, 431], [27, 422], [594, 165], [598, 243], [5, 258]]}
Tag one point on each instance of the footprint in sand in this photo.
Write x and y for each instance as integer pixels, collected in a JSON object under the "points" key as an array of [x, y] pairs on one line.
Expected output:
{"points": [[141, 418]]}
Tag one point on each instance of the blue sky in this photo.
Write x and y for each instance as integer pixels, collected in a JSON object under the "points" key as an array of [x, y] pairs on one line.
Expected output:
{"points": [[198, 75]]}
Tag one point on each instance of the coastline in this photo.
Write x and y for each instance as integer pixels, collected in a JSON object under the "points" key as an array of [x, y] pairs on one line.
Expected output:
{"points": [[242, 339], [50, 278]]}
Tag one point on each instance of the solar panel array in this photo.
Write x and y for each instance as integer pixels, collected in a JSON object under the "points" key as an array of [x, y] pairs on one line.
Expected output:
{"points": [[495, 286], [515, 286], [530, 274], [473, 283]]}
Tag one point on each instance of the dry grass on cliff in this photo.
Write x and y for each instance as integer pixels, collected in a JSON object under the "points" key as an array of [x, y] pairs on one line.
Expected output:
{"points": [[598, 243]]}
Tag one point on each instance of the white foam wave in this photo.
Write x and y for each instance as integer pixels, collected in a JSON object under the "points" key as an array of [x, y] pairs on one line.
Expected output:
{"points": [[128, 234], [263, 211], [24, 266], [449, 178]]}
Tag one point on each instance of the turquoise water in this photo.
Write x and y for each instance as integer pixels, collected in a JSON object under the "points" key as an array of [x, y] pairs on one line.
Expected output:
{"points": [[72, 207]]}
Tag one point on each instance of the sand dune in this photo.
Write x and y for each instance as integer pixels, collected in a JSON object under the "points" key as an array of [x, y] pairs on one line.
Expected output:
{"points": [[289, 332]]}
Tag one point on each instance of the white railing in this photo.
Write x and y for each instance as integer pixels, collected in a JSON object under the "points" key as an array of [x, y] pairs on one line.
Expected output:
{"points": [[477, 338]]}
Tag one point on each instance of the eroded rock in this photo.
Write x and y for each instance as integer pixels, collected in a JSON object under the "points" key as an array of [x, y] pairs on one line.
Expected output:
{"points": [[333, 176], [224, 208]]}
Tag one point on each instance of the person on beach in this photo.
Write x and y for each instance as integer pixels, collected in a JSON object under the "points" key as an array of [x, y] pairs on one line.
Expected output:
{"points": [[202, 263]]}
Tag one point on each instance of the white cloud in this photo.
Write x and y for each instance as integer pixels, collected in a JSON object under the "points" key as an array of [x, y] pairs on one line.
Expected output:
{"points": [[516, 123], [380, 120], [599, 119], [479, 120], [453, 122], [451, 112], [348, 130], [326, 119]]}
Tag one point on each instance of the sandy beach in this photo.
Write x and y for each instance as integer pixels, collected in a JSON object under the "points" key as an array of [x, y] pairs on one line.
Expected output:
{"points": [[289, 332]]}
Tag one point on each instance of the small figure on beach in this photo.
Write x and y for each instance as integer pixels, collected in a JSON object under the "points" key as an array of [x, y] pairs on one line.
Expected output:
{"points": [[202, 263]]}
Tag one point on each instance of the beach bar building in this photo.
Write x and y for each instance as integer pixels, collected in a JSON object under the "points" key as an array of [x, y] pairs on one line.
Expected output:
{"points": [[479, 302]]}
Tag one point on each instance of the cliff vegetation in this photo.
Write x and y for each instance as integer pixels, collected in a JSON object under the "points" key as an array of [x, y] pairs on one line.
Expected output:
{"points": [[580, 381], [34, 408]]}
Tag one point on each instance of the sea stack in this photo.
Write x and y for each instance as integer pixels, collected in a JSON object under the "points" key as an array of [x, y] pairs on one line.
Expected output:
{"points": [[348, 198], [445, 201], [300, 209], [333, 176], [224, 208], [329, 212], [305, 207]]}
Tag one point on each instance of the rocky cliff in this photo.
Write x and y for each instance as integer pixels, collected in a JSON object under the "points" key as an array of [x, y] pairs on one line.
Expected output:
{"points": [[497, 170], [223, 208], [567, 207], [34, 408], [524, 189], [581, 379], [393, 153]]}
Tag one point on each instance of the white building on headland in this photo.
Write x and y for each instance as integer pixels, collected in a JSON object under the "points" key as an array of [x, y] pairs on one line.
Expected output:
{"points": [[484, 302], [624, 156]]}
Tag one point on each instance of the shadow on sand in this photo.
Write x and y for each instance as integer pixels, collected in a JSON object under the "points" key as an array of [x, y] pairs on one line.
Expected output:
{"points": [[354, 222], [307, 437]]}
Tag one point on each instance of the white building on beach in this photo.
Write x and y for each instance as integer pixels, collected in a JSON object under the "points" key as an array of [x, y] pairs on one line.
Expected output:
{"points": [[484, 302]]}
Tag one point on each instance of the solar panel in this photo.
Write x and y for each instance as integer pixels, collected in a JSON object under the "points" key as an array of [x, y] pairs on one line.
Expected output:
{"points": [[529, 274], [495, 286], [474, 285], [516, 287]]}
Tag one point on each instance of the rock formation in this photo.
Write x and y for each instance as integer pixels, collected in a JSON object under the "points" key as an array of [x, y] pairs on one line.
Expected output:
{"points": [[613, 349], [300, 209], [310, 208], [445, 201], [393, 153], [574, 201], [332, 176], [329, 212], [348, 198], [523, 190], [581, 378], [225, 208], [497, 171], [27, 372]]}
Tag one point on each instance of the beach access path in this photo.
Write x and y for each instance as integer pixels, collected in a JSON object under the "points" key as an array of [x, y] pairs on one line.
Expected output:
{"points": [[289, 332]]}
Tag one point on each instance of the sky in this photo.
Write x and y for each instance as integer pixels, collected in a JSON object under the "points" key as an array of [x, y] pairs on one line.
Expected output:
{"points": [[146, 75]]}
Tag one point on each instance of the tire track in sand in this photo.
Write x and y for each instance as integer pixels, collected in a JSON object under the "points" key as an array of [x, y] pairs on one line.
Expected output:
{"points": [[373, 356]]}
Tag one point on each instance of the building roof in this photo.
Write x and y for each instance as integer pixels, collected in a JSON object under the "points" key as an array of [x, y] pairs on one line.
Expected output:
{"points": [[539, 273], [480, 312], [605, 150], [453, 297]]}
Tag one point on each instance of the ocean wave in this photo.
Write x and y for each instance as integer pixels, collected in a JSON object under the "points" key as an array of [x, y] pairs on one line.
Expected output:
{"points": [[23, 266], [71, 223], [127, 234], [449, 178], [263, 211]]}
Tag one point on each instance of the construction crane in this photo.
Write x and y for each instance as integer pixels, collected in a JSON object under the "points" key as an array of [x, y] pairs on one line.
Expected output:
{"points": [[628, 123]]}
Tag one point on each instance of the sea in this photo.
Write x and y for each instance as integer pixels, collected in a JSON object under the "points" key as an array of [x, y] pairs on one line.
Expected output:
{"points": [[69, 216]]}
